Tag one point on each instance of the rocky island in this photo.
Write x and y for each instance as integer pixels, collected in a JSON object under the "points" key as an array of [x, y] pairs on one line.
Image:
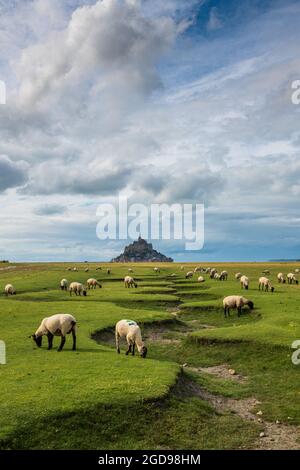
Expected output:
{"points": [[141, 251]]}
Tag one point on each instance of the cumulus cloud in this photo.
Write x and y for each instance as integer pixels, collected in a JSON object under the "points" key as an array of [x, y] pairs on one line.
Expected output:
{"points": [[12, 174]]}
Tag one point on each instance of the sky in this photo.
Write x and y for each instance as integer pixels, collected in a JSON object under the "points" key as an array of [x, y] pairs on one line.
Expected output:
{"points": [[168, 101]]}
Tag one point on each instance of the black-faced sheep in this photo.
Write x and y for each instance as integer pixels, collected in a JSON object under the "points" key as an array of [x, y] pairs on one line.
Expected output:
{"points": [[224, 276], [238, 276], [131, 331], [292, 278], [189, 275], [77, 288], [201, 279], [244, 280], [281, 278], [93, 283], [9, 290], [265, 284], [61, 325], [129, 282], [236, 301], [64, 284]]}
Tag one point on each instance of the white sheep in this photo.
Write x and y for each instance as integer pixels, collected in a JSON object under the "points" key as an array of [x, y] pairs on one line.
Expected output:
{"points": [[93, 283], [217, 276], [61, 325], [244, 280], [224, 276], [189, 275], [64, 284], [201, 279], [198, 269], [291, 278], [297, 271], [75, 269], [281, 278], [236, 301], [86, 270], [77, 288], [129, 282], [9, 290], [213, 271], [265, 284], [130, 270], [238, 276], [156, 270], [131, 331]]}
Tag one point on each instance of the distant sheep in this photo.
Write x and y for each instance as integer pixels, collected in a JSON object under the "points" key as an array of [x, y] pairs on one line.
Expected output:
{"points": [[238, 276], [9, 290], [75, 269], [108, 271], [217, 277], [236, 301], [292, 278], [86, 270], [281, 278], [213, 271], [197, 269], [98, 268], [77, 288], [156, 270], [131, 331], [61, 325], [129, 282], [201, 279], [265, 271], [130, 270], [189, 275], [297, 271], [244, 280], [64, 284], [224, 276], [93, 283], [265, 284]]}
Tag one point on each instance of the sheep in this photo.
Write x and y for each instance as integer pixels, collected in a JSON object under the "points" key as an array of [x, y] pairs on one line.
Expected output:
{"points": [[108, 271], [61, 325], [68, 269], [217, 276], [201, 279], [212, 273], [129, 282], [156, 270], [173, 275], [238, 276], [280, 277], [86, 270], [224, 276], [244, 280], [181, 268], [291, 278], [64, 284], [130, 270], [197, 269], [132, 332], [297, 271], [189, 274], [78, 288], [264, 284], [265, 271], [75, 269], [98, 268], [93, 283], [236, 301], [9, 290]]}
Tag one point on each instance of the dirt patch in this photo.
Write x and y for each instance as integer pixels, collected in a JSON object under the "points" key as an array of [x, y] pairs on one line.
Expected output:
{"points": [[223, 371]]}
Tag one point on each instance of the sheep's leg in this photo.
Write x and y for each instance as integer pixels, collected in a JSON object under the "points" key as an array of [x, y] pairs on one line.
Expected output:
{"points": [[50, 340], [117, 343], [225, 312], [62, 343], [133, 349], [128, 350], [239, 311], [74, 339]]}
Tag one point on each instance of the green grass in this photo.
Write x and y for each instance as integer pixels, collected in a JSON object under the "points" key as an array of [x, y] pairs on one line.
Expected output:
{"points": [[94, 398]]}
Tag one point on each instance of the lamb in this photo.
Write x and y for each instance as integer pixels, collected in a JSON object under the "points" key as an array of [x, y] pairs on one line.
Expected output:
{"points": [[189, 274], [132, 332], [291, 278], [60, 324], [64, 284], [93, 283], [236, 301], [201, 279], [264, 284], [238, 276], [224, 276], [78, 288], [129, 282], [244, 280], [9, 290], [281, 278]]}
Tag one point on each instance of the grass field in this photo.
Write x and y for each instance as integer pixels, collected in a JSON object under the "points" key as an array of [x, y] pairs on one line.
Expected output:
{"points": [[96, 399]]}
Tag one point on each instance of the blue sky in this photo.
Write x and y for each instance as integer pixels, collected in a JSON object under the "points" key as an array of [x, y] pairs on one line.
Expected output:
{"points": [[164, 101]]}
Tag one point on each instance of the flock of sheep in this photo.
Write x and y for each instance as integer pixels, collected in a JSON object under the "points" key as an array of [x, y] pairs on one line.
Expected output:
{"points": [[62, 324]]}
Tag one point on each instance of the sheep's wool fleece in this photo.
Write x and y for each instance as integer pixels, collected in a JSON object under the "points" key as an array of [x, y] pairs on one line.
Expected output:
{"points": [[59, 324]]}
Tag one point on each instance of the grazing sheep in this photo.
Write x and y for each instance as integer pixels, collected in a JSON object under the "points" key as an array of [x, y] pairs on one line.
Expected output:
{"points": [[129, 282], [236, 301], [77, 288], [132, 332], [217, 276], [130, 270], [197, 269], [64, 284], [244, 280], [265, 284], [108, 271], [98, 268], [297, 271], [93, 283], [69, 269], [281, 278], [189, 275], [238, 276], [86, 270], [9, 290], [61, 325], [292, 278], [75, 269], [212, 273], [201, 279], [224, 276], [265, 271], [156, 270]]}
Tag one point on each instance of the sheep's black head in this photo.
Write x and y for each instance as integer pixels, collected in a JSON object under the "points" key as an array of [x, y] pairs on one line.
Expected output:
{"points": [[84, 292], [251, 305], [283, 282], [100, 286], [135, 285], [246, 287], [297, 282], [37, 340], [143, 352], [272, 289]]}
